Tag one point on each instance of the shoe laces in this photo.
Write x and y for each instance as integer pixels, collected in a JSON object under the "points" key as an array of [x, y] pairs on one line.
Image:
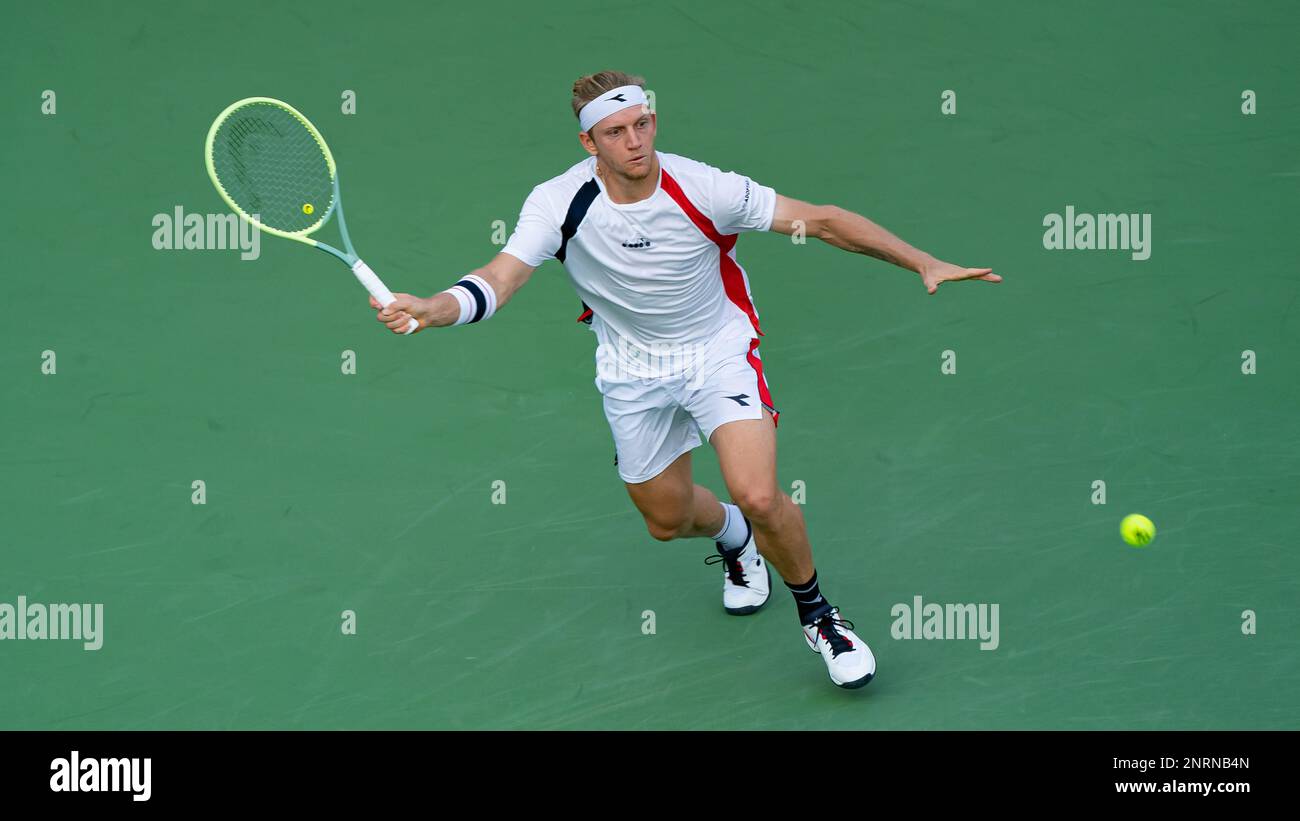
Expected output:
{"points": [[828, 627], [735, 570]]}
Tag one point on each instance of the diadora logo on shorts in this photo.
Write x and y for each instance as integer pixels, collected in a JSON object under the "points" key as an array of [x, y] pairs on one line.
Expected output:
{"points": [[639, 242], [740, 399]]}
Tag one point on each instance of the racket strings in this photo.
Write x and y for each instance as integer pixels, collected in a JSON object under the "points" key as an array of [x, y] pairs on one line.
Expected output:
{"points": [[273, 165]]}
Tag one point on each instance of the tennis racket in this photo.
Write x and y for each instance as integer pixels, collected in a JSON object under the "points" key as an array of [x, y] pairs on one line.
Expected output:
{"points": [[273, 168]]}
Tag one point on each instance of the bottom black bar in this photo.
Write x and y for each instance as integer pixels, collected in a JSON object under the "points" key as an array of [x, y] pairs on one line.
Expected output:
{"points": [[330, 770]]}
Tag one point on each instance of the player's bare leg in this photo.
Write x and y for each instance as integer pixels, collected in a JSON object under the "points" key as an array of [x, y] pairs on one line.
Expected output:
{"points": [[747, 454], [674, 507]]}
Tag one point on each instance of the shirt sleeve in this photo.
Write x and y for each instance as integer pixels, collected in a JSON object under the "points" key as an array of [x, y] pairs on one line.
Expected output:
{"points": [[740, 204], [536, 237]]}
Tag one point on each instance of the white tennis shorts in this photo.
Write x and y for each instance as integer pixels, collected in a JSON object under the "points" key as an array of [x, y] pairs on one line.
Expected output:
{"points": [[655, 420]]}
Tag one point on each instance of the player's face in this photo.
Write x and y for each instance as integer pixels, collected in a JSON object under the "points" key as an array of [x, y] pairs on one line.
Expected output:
{"points": [[625, 142]]}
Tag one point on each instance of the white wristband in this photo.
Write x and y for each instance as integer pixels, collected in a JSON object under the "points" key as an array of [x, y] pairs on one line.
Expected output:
{"points": [[477, 299]]}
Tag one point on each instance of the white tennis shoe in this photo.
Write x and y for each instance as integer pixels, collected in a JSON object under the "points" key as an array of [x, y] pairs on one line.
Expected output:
{"points": [[848, 658], [746, 580]]}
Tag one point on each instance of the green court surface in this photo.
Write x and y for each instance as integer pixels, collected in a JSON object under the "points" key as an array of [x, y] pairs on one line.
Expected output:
{"points": [[373, 492]]}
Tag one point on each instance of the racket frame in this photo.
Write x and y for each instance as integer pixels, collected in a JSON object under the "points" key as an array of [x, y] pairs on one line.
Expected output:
{"points": [[348, 254]]}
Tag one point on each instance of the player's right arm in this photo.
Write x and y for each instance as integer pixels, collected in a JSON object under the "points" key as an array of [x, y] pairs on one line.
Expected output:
{"points": [[480, 293], [504, 275]]}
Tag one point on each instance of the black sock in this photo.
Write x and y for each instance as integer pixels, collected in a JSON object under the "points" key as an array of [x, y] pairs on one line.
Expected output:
{"points": [[808, 597]]}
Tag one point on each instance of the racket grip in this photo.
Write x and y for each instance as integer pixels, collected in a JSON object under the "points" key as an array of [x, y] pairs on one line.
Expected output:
{"points": [[377, 289]]}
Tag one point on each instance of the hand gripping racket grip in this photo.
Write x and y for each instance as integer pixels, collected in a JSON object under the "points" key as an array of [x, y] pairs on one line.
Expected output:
{"points": [[377, 289]]}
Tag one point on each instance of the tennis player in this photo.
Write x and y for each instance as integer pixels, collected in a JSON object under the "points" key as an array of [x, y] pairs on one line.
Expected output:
{"points": [[649, 242]]}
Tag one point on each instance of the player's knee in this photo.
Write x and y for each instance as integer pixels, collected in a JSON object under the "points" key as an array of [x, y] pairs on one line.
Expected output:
{"points": [[759, 504], [666, 527]]}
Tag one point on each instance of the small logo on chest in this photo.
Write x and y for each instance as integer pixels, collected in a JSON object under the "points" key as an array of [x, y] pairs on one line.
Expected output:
{"points": [[639, 242]]}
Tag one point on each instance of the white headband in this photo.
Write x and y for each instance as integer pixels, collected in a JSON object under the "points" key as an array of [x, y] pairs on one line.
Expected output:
{"points": [[609, 103]]}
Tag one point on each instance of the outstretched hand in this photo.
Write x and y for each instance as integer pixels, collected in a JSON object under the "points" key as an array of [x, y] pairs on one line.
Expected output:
{"points": [[398, 315], [937, 272]]}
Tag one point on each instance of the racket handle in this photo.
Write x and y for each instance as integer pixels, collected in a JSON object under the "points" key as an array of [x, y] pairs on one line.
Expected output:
{"points": [[377, 289]]}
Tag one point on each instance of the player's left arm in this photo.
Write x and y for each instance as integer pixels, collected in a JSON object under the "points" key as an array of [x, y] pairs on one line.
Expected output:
{"points": [[854, 232]]}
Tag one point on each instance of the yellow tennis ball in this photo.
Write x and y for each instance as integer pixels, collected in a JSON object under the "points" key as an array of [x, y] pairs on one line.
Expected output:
{"points": [[1137, 530], [307, 208]]}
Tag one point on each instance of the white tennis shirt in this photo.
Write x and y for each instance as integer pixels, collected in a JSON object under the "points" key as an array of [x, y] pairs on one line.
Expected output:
{"points": [[654, 273]]}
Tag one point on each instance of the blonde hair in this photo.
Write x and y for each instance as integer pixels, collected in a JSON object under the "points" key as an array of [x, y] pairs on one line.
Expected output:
{"points": [[586, 89]]}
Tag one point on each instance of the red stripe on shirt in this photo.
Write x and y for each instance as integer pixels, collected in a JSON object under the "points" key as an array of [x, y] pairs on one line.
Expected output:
{"points": [[733, 279]]}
